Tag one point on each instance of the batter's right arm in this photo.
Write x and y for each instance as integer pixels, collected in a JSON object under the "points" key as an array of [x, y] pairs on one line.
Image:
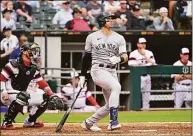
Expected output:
{"points": [[86, 62]]}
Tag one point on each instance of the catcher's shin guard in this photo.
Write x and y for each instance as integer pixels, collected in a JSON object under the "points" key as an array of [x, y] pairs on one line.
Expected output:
{"points": [[39, 110], [13, 110]]}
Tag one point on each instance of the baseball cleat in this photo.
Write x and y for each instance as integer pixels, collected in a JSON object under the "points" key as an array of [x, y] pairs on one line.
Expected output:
{"points": [[7, 127], [114, 125], [93, 127], [32, 124]]}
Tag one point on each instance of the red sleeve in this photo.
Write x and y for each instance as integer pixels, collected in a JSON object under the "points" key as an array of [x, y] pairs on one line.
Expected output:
{"points": [[92, 100], [44, 85], [2, 78]]}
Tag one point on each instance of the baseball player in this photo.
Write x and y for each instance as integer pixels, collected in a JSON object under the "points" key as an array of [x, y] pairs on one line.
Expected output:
{"points": [[71, 91], [15, 54], [15, 78], [143, 57], [105, 48], [182, 82]]}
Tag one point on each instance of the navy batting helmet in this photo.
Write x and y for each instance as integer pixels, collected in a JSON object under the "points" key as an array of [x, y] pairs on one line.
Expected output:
{"points": [[101, 18]]}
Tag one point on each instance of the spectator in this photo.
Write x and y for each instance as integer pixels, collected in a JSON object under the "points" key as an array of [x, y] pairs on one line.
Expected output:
{"points": [[77, 4], [111, 6], [183, 82], [189, 9], [171, 8], [80, 104], [163, 22], [183, 14], [94, 8], [90, 20], [22, 40], [3, 4], [7, 21], [131, 4], [64, 15], [77, 23], [9, 6], [123, 14], [136, 21], [23, 10], [8, 44], [143, 57]]}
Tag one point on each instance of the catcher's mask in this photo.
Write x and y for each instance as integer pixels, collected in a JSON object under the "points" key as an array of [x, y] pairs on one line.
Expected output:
{"points": [[32, 52]]}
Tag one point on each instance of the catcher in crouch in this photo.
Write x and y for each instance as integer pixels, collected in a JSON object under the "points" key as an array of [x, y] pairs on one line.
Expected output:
{"points": [[15, 78]]}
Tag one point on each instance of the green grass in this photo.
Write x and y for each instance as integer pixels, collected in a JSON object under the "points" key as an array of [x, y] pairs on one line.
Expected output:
{"points": [[130, 116]]}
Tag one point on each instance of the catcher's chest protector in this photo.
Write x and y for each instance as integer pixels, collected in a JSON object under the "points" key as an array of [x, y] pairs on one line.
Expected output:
{"points": [[23, 78]]}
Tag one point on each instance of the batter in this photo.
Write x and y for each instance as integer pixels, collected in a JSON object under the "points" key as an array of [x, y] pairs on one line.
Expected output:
{"points": [[104, 48]]}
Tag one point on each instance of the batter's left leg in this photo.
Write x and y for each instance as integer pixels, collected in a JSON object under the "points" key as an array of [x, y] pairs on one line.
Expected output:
{"points": [[101, 112], [110, 82]]}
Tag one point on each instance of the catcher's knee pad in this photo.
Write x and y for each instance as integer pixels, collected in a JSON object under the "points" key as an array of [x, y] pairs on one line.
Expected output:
{"points": [[22, 98]]}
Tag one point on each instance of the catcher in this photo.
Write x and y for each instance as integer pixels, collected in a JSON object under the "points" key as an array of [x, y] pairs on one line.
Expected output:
{"points": [[15, 78]]}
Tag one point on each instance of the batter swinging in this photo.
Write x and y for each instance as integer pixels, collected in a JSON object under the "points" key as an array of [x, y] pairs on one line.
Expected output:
{"points": [[105, 48]]}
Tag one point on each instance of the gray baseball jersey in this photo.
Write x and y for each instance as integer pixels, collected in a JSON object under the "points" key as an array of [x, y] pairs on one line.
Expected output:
{"points": [[103, 47]]}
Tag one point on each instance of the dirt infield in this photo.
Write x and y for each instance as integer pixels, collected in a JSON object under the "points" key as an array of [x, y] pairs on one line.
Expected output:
{"points": [[130, 129]]}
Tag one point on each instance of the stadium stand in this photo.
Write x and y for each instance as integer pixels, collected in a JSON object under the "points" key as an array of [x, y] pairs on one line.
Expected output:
{"points": [[72, 42]]}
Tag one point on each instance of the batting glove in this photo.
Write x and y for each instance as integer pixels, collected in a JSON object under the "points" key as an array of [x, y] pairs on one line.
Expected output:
{"points": [[82, 81], [114, 60]]}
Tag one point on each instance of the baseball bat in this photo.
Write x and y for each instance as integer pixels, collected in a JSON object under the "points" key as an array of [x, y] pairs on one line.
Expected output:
{"points": [[65, 117]]}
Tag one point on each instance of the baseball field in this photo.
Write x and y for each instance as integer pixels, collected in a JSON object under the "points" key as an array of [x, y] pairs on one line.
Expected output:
{"points": [[141, 123]]}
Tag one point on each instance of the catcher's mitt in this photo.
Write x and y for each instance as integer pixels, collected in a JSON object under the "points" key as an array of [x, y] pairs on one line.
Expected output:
{"points": [[56, 102]]}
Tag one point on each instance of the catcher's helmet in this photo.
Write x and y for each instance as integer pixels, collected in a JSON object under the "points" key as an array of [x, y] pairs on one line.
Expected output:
{"points": [[101, 18], [33, 50]]}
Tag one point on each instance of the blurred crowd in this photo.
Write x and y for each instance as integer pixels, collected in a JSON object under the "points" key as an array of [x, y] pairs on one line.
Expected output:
{"points": [[80, 15]]}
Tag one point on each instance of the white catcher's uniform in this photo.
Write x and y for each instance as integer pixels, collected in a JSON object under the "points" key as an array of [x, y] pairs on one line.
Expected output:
{"points": [[80, 104], [103, 73], [182, 89], [136, 59]]}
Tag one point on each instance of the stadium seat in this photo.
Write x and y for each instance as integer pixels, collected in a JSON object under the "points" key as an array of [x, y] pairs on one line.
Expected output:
{"points": [[38, 26], [51, 11], [44, 6], [35, 10], [20, 26], [22, 19], [57, 27]]}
